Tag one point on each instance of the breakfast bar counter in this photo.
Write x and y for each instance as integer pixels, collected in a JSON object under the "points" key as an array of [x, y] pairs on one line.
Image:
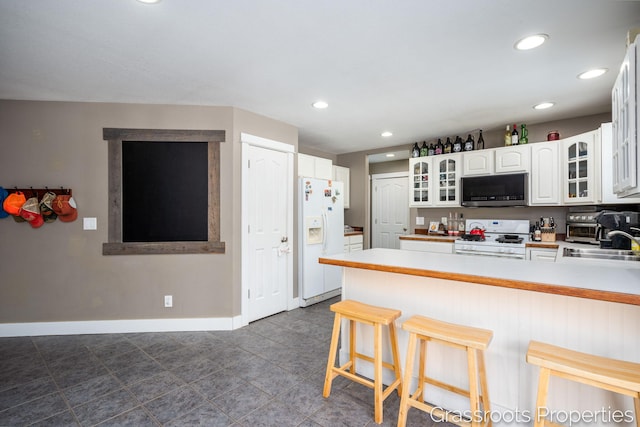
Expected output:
{"points": [[588, 308]]}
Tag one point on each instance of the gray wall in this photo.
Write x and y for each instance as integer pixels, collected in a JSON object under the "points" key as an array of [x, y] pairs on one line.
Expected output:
{"points": [[58, 272]]}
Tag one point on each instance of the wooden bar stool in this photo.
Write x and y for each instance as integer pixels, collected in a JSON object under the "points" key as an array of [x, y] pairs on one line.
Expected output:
{"points": [[472, 340], [369, 315], [609, 374]]}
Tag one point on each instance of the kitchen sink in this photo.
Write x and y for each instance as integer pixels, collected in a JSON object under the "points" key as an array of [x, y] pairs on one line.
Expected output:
{"points": [[597, 253]]}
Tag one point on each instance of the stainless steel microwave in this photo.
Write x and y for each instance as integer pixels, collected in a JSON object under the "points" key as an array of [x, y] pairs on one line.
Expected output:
{"points": [[495, 190]]}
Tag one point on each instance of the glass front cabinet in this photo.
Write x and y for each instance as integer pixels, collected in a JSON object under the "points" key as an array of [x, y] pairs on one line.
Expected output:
{"points": [[435, 181], [580, 171]]}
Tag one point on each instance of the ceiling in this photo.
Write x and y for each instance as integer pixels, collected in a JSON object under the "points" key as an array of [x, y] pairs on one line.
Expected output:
{"points": [[418, 68]]}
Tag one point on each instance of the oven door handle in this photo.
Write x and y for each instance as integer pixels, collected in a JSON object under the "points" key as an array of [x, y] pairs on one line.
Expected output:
{"points": [[490, 254]]}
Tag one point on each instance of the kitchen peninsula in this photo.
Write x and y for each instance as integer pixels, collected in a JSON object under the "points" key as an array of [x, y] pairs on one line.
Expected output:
{"points": [[587, 308]]}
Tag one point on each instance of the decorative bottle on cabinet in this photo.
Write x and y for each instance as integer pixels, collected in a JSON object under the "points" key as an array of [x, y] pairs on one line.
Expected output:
{"points": [[448, 146], [439, 147], [514, 135], [480, 144], [424, 150], [415, 151], [507, 137], [469, 144], [432, 149], [457, 145], [524, 134]]}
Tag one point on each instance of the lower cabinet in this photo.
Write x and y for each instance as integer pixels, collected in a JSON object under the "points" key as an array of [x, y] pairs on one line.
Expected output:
{"points": [[353, 243], [427, 246], [542, 254]]}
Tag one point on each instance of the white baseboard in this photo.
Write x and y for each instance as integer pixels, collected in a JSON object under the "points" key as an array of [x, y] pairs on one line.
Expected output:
{"points": [[119, 326]]}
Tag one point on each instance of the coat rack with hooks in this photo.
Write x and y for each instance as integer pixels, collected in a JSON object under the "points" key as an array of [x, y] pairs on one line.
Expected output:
{"points": [[39, 192]]}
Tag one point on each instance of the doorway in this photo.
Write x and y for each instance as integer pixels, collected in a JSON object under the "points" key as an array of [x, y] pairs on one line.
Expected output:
{"points": [[267, 227], [389, 209]]}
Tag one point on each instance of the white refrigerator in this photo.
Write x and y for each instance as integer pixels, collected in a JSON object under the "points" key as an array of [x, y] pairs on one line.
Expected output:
{"points": [[320, 233]]}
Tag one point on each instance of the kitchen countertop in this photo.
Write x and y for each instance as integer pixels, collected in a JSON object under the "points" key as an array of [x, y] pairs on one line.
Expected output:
{"points": [[589, 280], [353, 233]]}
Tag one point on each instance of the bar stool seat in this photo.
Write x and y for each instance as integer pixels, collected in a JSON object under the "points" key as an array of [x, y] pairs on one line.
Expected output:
{"points": [[377, 317], [473, 341], [613, 375]]}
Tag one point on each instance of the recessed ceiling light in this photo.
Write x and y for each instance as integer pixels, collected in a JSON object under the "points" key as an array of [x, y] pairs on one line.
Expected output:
{"points": [[530, 42], [592, 74], [320, 105], [386, 134], [149, 1], [390, 155], [544, 105]]}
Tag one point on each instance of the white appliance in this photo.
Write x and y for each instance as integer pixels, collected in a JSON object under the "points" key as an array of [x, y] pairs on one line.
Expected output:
{"points": [[505, 238], [320, 233]]}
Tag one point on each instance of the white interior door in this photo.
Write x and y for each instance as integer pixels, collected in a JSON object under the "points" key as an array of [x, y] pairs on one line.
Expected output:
{"points": [[389, 209], [268, 257]]}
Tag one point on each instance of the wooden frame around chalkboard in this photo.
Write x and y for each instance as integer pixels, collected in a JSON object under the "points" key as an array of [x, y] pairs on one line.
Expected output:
{"points": [[115, 245]]}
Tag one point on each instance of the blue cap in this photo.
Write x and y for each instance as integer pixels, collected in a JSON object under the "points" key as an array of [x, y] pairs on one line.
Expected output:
{"points": [[3, 195]]}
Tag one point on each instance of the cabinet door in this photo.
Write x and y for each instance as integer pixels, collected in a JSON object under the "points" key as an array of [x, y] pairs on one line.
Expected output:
{"points": [[579, 156], [447, 182], [341, 174], [477, 162], [420, 175], [324, 168], [545, 174], [623, 114], [306, 166], [540, 254], [513, 159]]}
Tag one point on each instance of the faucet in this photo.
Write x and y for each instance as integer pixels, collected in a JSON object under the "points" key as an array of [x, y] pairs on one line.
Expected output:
{"points": [[625, 234]]}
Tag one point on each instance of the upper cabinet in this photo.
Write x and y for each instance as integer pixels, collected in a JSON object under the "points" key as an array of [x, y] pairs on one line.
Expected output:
{"points": [[581, 168], [545, 174], [512, 159], [516, 158], [314, 167], [435, 181], [340, 173], [608, 162], [626, 119]]}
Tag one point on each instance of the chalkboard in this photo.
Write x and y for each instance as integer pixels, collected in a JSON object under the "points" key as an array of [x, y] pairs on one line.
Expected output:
{"points": [[164, 191]]}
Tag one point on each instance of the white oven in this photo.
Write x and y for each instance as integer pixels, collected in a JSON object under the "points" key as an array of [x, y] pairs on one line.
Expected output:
{"points": [[502, 238]]}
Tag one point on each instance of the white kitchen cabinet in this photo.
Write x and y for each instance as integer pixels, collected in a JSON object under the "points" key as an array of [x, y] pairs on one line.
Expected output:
{"points": [[427, 246], [340, 173], [545, 174], [478, 162], [581, 168], [606, 148], [513, 159], [542, 254], [435, 180], [353, 243], [314, 167], [626, 120]]}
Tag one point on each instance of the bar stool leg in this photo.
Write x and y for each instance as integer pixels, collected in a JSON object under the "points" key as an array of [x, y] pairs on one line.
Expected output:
{"points": [[636, 403], [484, 387], [541, 400], [377, 375], [473, 385], [352, 345], [419, 394], [396, 355], [408, 369], [333, 348]]}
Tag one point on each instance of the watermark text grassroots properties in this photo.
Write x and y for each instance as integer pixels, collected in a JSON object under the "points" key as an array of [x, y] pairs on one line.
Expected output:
{"points": [[599, 417]]}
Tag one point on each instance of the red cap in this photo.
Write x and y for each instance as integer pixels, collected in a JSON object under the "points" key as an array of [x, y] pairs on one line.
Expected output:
{"points": [[30, 211]]}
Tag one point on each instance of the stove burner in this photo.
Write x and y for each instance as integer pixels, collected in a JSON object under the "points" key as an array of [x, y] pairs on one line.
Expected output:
{"points": [[472, 237], [509, 238]]}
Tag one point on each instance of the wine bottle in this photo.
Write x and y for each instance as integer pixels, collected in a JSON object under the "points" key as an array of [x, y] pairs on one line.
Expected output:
{"points": [[439, 147], [469, 144], [448, 146], [537, 232], [461, 225], [415, 151], [507, 137], [524, 134], [432, 149], [514, 135], [480, 144], [457, 145], [424, 150]]}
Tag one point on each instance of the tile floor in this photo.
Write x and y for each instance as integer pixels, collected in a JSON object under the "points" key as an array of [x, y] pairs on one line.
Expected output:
{"points": [[269, 373]]}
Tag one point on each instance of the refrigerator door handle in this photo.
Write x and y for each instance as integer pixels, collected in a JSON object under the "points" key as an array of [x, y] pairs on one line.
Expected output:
{"points": [[325, 224]]}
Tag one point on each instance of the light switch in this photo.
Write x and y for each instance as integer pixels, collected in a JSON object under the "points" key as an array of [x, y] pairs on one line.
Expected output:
{"points": [[419, 220], [89, 223]]}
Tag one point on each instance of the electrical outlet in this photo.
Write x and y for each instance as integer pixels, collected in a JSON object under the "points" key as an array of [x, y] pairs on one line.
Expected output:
{"points": [[168, 301], [419, 220]]}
